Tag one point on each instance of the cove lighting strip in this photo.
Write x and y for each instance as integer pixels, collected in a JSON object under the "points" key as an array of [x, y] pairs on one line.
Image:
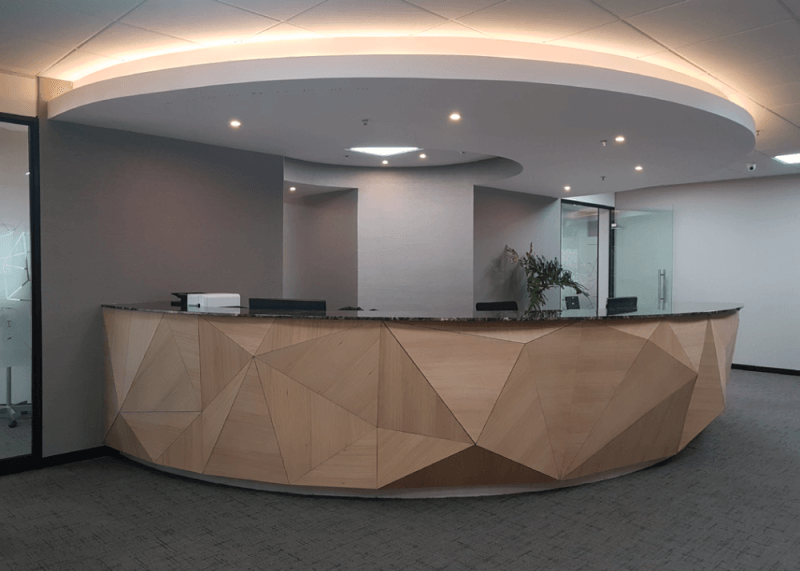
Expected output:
{"points": [[384, 151]]}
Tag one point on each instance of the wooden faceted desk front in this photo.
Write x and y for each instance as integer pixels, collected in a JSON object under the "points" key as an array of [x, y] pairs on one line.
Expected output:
{"points": [[379, 404]]}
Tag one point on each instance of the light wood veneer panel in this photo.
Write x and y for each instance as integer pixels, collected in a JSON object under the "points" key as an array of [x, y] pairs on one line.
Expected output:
{"points": [[636, 327], [247, 447], [664, 338], [691, 333], [467, 371], [186, 453], [117, 326], [220, 360], [162, 382], [708, 400], [656, 435], [122, 438], [342, 367], [247, 333], [400, 453], [143, 327], [157, 430], [187, 338], [517, 429], [724, 330], [652, 378], [310, 428], [471, 467], [353, 467], [407, 402], [214, 414], [506, 330], [110, 404], [287, 332]]}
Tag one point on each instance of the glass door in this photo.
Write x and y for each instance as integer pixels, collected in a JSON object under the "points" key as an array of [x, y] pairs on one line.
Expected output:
{"points": [[642, 252], [580, 226], [16, 292]]}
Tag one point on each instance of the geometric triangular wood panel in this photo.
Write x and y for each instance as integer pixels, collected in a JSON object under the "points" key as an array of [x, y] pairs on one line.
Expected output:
{"points": [[247, 447], [287, 332], [143, 326], [157, 430], [110, 404], [162, 382], [400, 453], [220, 360], [474, 466], [408, 402], [216, 412], [122, 438], [342, 367], [467, 371], [691, 332], [117, 326], [665, 338], [724, 330], [186, 453], [185, 333], [517, 429], [353, 467], [656, 435], [652, 378], [708, 399], [310, 428], [247, 333], [636, 327], [523, 332]]}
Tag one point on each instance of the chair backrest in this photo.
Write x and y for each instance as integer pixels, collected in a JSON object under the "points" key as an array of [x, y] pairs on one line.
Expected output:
{"points": [[277, 304], [616, 305], [497, 306]]}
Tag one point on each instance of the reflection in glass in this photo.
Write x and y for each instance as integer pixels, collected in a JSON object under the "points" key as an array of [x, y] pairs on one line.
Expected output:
{"points": [[15, 293], [579, 239]]}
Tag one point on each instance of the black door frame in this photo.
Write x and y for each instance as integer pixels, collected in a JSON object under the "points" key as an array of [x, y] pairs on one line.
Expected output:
{"points": [[34, 459]]}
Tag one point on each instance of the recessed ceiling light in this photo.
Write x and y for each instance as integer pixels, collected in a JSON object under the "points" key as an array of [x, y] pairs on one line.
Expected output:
{"points": [[567, 188], [789, 159], [423, 156], [384, 151], [619, 139], [235, 123], [292, 188], [384, 162], [455, 116], [638, 167]]}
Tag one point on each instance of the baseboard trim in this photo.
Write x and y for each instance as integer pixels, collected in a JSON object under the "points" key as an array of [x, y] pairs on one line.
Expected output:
{"points": [[774, 370], [77, 456]]}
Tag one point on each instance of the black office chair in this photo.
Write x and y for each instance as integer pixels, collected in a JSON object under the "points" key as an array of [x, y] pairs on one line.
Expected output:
{"points": [[277, 304], [497, 306], [617, 305]]}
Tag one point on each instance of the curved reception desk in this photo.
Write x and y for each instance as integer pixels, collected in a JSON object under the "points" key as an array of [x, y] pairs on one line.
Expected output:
{"points": [[374, 404]]}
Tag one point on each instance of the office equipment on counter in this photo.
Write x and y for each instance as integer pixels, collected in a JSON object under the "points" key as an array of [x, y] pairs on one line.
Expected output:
{"points": [[278, 304], [206, 300], [497, 306]]}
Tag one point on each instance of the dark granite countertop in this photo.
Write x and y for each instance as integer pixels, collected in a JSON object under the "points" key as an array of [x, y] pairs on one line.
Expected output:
{"points": [[682, 309]]}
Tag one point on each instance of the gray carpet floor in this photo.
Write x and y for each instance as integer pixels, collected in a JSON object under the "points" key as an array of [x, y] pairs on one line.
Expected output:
{"points": [[729, 502]]}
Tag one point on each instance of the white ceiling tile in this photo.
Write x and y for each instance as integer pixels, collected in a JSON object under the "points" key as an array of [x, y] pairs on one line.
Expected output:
{"points": [[793, 6], [537, 21], [766, 73], [48, 23], [78, 64], [453, 9], [615, 38], [203, 21], [452, 29], [776, 95], [106, 9], [355, 17], [126, 43], [697, 20], [674, 62], [766, 43], [21, 55], [627, 8], [277, 9], [789, 112], [283, 31]]}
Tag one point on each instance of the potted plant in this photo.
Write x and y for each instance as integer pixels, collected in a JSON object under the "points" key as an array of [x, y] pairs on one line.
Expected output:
{"points": [[542, 274]]}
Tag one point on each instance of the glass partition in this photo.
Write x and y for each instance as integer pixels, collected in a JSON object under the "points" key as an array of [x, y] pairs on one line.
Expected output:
{"points": [[579, 253], [16, 293], [642, 252]]}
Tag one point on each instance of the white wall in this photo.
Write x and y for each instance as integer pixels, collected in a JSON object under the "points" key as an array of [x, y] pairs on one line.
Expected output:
{"points": [[415, 231], [515, 219], [320, 248], [737, 241]]}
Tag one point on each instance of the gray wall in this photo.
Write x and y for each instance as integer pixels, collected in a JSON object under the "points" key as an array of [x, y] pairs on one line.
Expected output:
{"points": [[320, 248], [515, 219], [130, 218], [737, 241]]}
